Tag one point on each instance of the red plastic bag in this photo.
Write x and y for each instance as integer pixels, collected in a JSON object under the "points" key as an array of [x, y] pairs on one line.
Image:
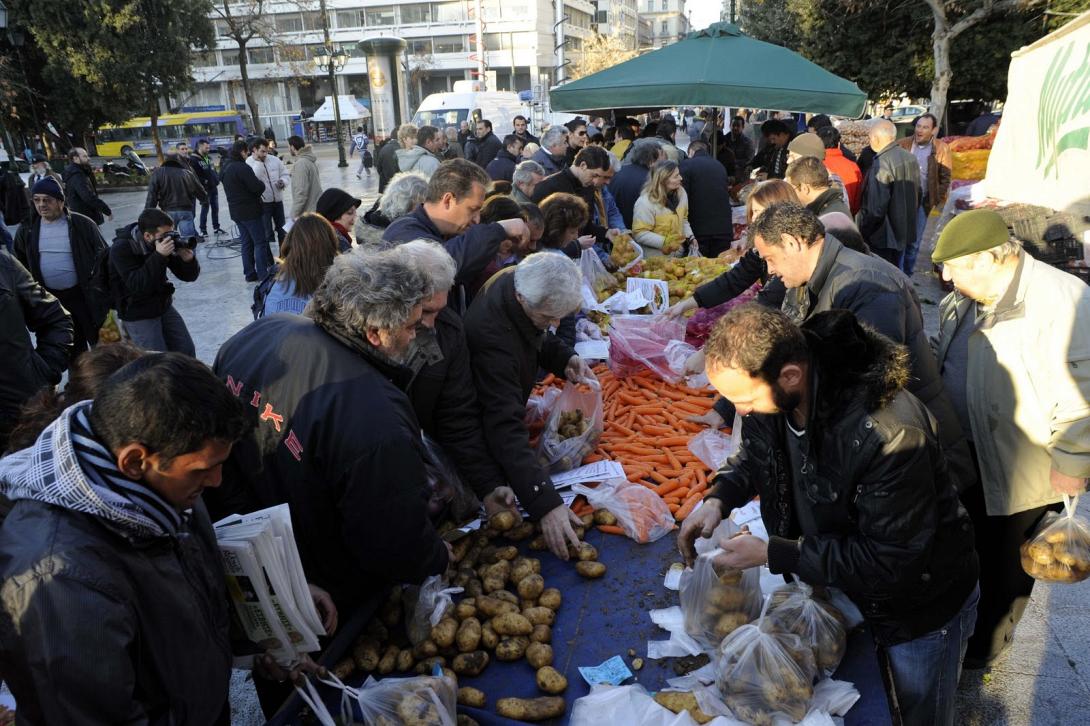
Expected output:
{"points": [[700, 325], [637, 342]]}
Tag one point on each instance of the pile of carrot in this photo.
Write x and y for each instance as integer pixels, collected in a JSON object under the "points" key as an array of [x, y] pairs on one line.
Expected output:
{"points": [[646, 431]]}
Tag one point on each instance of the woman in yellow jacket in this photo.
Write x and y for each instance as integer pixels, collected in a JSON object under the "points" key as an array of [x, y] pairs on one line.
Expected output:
{"points": [[660, 219]]}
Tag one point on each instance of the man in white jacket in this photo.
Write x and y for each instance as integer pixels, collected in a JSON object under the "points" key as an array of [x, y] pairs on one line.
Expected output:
{"points": [[270, 170]]}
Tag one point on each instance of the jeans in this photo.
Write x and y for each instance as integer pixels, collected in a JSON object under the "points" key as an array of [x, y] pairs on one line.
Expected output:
{"points": [[165, 333], [926, 670], [893, 257], [912, 251], [255, 247], [363, 167], [213, 203], [183, 223], [272, 217]]}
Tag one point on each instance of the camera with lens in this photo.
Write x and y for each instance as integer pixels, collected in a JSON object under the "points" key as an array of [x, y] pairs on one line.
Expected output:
{"points": [[181, 242]]}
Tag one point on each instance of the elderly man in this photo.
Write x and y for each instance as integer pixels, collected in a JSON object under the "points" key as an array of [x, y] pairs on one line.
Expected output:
{"points": [[933, 157], [627, 184], [358, 495], [508, 329], [891, 195], [854, 491], [524, 179], [450, 215], [66, 253], [553, 153], [813, 184], [822, 274], [405, 192], [1013, 346]]}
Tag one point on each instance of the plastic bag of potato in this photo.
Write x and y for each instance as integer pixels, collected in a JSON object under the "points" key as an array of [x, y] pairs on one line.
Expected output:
{"points": [[560, 447], [716, 600], [796, 608], [1060, 549], [432, 604], [419, 701]]}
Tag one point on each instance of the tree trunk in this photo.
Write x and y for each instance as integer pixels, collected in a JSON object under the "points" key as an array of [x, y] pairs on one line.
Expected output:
{"points": [[155, 130], [940, 85], [244, 73]]}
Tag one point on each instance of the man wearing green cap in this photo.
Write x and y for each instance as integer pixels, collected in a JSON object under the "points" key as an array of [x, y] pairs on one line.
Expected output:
{"points": [[1014, 349]]}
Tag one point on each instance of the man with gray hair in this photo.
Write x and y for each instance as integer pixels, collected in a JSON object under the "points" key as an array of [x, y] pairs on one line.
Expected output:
{"points": [[358, 494], [509, 329], [891, 194], [627, 185], [526, 176], [405, 192], [553, 154], [442, 391]]}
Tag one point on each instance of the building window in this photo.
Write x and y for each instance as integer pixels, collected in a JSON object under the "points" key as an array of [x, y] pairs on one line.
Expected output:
{"points": [[261, 55], [291, 53], [230, 57], [206, 58], [664, 27], [450, 13], [289, 23], [312, 21], [349, 19], [383, 15], [222, 29], [665, 5], [450, 44], [419, 46], [650, 6], [416, 14]]}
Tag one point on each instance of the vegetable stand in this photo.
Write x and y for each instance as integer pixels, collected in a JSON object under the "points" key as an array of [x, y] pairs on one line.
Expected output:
{"points": [[606, 617]]}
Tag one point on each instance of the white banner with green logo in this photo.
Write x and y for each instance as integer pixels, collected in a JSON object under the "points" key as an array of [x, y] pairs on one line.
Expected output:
{"points": [[1042, 151]]}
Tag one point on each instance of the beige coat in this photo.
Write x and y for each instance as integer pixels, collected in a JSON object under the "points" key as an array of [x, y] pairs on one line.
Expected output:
{"points": [[306, 182], [1028, 386]]}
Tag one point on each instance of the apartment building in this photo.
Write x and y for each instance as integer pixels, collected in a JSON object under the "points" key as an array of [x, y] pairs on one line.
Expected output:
{"points": [[669, 23], [621, 19]]}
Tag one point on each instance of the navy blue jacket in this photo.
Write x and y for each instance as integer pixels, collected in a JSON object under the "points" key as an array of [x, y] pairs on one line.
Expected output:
{"points": [[626, 187], [708, 188], [243, 190], [502, 167]]}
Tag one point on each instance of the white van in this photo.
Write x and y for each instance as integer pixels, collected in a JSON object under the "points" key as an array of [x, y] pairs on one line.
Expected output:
{"points": [[465, 103]]}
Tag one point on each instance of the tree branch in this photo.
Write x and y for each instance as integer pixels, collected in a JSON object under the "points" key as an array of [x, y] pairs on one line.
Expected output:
{"points": [[985, 11]]}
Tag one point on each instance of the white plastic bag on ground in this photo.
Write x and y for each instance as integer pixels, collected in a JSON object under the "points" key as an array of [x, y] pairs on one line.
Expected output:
{"points": [[429, 700], [432, 603], [639, 511]]}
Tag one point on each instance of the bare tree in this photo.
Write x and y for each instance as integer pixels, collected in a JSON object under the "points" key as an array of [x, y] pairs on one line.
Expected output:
{"points": [[246, 20], [599, 53], [948, 28]]}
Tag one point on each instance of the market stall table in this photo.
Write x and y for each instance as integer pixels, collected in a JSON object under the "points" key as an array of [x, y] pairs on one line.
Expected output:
{"points": [[603, 618]]}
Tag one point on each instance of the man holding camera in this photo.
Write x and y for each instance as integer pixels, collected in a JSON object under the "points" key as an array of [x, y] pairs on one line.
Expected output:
{"points": [[139, 260]]}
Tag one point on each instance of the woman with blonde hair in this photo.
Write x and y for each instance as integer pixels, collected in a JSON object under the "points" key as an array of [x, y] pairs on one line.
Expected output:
{"points": [[306, 254], [660, 219]]}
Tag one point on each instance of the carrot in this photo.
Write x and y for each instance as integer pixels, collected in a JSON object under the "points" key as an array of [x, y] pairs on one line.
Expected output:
{"points": [[662, 479], [548, 380], [610, 529], [666, 486], [591, 458], [674, 508], [686, 509], [674, 441]]}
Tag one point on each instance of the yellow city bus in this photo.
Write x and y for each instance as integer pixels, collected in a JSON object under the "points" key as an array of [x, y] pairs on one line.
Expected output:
{"points": [[219, 127]]}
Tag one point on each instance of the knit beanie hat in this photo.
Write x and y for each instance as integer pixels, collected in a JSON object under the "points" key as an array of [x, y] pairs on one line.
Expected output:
{"points": [[973, 231], [49, 186], [808, 145], [334, 202]]}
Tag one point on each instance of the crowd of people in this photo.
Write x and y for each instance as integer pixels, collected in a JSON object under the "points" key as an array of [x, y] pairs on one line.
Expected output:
{"points": [[903, 471]]}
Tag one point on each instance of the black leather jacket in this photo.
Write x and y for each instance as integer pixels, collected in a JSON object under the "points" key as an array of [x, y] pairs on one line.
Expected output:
{"points": [[891, 195]]}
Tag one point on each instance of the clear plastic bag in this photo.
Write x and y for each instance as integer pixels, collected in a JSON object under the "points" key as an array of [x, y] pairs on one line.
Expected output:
{"points": [[637, 342], [579, 408], [595, 274], [717, 599], [418, 701], [639, 511], [448, 493], [712, 447], [431, 605], [627, 240], [797, 608], [538, 409], [762, 672], [1059, 551]]}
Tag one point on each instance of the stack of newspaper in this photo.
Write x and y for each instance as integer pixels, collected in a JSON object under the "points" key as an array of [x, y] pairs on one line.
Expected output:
{"points": [[266, 583]]}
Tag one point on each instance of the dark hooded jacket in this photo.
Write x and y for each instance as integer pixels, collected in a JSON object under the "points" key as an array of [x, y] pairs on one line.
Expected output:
{"points": [[626, 187], [174, 187], [242, 188], [81, 194], [507, 351], [138, 275], [357, 486], [882, 297], [883, 521], [503, 166], [482, 151], [891, 196]]}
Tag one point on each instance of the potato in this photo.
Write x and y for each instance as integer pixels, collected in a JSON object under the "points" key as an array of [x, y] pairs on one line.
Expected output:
{"points": [[531, 587], [550, 680], [405, 660], [425, 649], [466, 609], [509, 552], [366, 655], [471, 697], [511, 648], [470, 664], [590, 570], [415, 710], [391, 613], [492, 584], [503, 521], [539, 655], [678, 701], [527, 604], [542, 634], [604, 516], [469, 635], [448, 673], [512, 624], [537, 544], [464, 720], [389, 660], [520, 532], [727, 598], [474, 588], [489, 638], [499, 570], [585, 553], [539, 616], [587, 519], [728, 623], [343, 668], [426, 666], [490, 607], [460, 548], [531, 709], [376, 631], [550, 598], [506, 596], [443, 633], [520, 568]]}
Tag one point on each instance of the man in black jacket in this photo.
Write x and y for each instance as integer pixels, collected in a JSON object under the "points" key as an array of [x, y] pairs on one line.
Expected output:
{"points": [[627, 184], [386, 157], [503, 166], [67, 254], [822, 274], [201, 164], [80, 188], [891, 195], [358, 494], [27, 307], [520, 123], [243, 190], [854, 490], [175, 189], [590, 171], [508, 332], [483, 149], [771, 160], [708, 187], [139, 259], [450, 215], [810, 179]]}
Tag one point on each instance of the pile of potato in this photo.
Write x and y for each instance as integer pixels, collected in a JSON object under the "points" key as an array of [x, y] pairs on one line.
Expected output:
{"points": [[572, 424], [624, 250], [683, 274], [416, 704]]}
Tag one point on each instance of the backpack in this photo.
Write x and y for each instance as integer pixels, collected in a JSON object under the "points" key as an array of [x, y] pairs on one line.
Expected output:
{"points": [[262, 291]]}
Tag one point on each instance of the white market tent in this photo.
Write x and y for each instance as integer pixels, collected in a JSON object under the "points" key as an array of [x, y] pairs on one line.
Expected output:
{"points": [[351, 109]]}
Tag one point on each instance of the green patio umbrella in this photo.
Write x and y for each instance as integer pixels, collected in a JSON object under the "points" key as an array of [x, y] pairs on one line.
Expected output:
{"points": [[717, 66]]}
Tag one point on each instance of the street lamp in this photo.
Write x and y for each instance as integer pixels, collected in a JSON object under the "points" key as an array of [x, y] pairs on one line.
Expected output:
{"points": [[333, 60]]}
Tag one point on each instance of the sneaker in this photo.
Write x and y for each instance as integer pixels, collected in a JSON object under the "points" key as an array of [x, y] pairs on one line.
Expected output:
{"points": [[217, 230], [358, 176], [251, 277]]}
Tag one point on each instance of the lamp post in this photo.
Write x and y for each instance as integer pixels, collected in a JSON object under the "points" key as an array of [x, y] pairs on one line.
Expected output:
{"points": [[333, 60]]}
